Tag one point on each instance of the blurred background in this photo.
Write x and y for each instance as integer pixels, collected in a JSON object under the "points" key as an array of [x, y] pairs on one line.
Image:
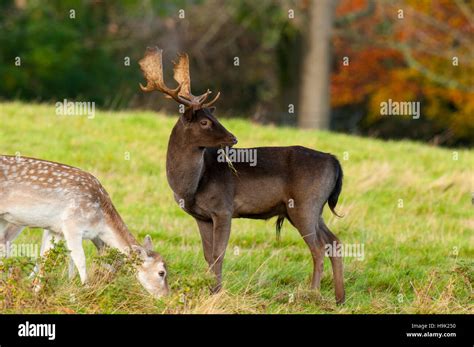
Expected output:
{"points": [[312, 64]]}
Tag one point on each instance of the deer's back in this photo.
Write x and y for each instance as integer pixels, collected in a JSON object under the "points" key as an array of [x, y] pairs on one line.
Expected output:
{"points": [[41, 193]]}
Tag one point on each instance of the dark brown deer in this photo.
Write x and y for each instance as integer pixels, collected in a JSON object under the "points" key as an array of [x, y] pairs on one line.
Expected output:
{"points": [[289, 182]]}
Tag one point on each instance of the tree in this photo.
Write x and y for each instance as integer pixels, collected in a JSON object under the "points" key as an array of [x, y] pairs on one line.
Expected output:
{"points": [[314, 91]]}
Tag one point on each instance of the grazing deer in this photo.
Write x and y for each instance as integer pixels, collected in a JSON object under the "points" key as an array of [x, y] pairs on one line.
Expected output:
{"points": [[214, 192], [71, 204]]}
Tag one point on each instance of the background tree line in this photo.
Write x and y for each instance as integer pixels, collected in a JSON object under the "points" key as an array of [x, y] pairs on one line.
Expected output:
{"points": [[316, 64]]}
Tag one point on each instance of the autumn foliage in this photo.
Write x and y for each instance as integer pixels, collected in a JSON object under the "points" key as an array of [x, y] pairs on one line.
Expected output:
{"points": [[408, 51]]}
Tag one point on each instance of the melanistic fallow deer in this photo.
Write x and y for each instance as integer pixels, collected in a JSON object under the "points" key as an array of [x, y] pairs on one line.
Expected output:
{"points": [[214, 192]]}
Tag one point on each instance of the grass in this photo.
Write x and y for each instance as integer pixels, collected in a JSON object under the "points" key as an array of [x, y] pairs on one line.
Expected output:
{"points": [[409, 204]]}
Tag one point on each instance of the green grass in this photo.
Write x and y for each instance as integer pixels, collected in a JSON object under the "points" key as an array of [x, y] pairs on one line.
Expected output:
{"points": [[418, 258]]}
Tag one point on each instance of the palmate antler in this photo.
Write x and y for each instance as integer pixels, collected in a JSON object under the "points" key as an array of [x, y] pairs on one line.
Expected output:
{"points": [[152, 66]]}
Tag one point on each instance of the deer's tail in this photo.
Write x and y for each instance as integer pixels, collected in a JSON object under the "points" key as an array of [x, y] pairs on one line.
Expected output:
{"points": [[332, 200], [278, 225]]}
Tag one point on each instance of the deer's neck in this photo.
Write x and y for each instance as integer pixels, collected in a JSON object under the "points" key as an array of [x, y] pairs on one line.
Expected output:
{"points": [[119, 236], [184, 164]]}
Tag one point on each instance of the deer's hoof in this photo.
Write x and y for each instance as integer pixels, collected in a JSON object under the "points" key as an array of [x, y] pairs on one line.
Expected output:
{"points": [[341, 299], [216, 289]]}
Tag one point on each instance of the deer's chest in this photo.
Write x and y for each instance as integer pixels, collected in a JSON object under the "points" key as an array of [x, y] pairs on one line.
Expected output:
{"points": [[193, 207]]}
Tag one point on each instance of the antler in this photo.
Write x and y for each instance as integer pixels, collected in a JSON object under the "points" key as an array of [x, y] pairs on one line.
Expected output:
{"points": [[181, 75], [152, 67]]}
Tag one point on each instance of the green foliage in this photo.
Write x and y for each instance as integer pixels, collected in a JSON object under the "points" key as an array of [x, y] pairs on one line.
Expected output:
{"points": [[52, 268], [15, 288], [61, 57], [83, 57], [116, 262]]}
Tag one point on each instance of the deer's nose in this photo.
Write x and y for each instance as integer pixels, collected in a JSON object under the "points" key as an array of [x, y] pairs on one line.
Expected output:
{"points": [[234, 140]]}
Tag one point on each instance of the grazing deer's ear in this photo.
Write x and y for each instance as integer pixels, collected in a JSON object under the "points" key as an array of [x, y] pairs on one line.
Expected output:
{"points": [[148, 243], [140, 251]]}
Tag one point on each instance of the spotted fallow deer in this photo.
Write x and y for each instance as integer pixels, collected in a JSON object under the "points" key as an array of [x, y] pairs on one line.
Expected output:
{"points": [[214, 192], [71, 204]]}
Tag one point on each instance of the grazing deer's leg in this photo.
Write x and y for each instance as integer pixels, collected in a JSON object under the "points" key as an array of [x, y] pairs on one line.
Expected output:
{"points": [[206, 231], [12, 232], [3, 240], [304, 220], [336, 262], [8, 233], [47, 243], [101, 247], [221, 233], [74, 243], [99, 244]]}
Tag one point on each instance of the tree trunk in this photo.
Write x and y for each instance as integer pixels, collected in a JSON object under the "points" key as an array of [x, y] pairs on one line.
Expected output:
{"points": [[314, 102]]}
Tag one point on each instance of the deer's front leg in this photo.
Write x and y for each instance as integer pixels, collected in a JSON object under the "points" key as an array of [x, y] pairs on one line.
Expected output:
{"points": [[3, 242], [74, 244], [47, 243], [206, 230], [221, 233]]}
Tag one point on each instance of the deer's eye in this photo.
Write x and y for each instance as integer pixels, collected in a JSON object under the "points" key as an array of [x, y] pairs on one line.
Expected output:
{"points": [[205, 123], [161, 273]]}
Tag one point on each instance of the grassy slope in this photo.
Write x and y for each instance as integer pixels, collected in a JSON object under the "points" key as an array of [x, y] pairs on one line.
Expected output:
{"points": [[410, 265]]}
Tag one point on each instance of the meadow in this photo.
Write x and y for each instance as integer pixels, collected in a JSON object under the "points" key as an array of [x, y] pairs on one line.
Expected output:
{"points": [[409, 205]]}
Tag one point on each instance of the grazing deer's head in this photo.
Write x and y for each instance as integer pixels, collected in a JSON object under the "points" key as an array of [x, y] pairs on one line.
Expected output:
{"points": [[152, 273], [200, 127]]}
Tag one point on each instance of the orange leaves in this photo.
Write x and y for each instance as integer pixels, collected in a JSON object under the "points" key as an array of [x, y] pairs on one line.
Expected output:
{"points": [[346, 7], [366, 71], [423, 55]]}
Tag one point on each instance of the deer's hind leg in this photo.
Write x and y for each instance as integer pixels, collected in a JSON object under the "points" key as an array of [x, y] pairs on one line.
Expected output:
{"points": [[8, 233], [99, 244], [304, 219], [336, 261]]}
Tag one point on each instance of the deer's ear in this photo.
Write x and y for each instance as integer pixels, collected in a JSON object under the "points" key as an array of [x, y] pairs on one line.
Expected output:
{"points": [[140, 251], [212, 109], [188, 115], [148, 243]]}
